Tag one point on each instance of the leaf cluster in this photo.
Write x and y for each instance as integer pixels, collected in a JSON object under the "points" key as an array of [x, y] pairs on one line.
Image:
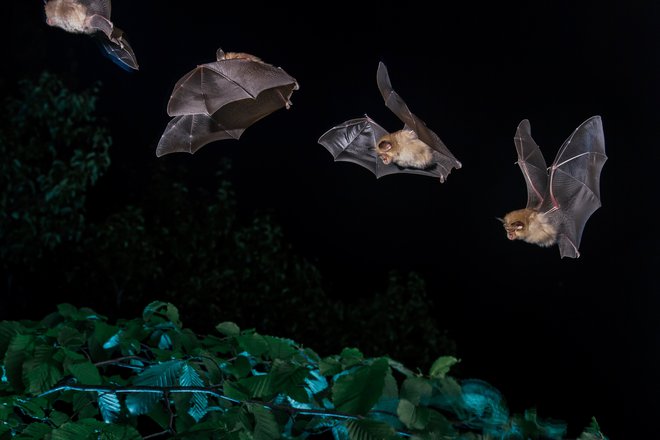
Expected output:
{"points": [[76, 375]]}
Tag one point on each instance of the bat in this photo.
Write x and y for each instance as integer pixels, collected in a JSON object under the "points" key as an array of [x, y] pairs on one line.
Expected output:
{"points": [[92, 17], [562, 197], [221, 99], [415, 149]]}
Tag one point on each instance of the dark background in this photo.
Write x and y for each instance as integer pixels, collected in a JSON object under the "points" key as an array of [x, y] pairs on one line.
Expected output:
{"points": [[572, 337]]}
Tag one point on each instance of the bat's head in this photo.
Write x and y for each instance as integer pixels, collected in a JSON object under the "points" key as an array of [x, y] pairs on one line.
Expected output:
{"points": [[529, 225], [384, 150]]}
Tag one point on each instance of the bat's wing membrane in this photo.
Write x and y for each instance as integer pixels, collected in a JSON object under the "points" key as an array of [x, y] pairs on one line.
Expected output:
{"points": [[574, 182], [189, 133], [532, 164], [120, 52], [445, 159], [210, 87], [100, 7]]}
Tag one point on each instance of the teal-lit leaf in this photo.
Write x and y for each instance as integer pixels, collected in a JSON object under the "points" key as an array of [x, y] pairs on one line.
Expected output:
{"points": [[109, 406], [315, 382], [265, 426], [85, 372], [228, 328], [358, 391], [370, 430], [68, 311], [592, 432], [199, 401], [159, 375], [413, 416], [385, 408], [442, 365]]}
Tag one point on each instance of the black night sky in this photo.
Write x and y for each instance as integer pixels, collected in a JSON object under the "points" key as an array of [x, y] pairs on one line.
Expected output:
{"points": [[573, 337]]}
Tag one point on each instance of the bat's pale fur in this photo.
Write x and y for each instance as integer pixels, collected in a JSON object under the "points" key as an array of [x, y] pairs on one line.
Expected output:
{"points": [[241, 56], [69, 15], [531, 226], [404, 148]]}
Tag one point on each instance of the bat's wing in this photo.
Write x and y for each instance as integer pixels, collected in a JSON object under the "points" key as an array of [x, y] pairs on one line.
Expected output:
{"points": [[100, 7], [445, 159], [210, 87], [189, 133], [119, 51], [355, 141], [574, 182], [532, 164]]}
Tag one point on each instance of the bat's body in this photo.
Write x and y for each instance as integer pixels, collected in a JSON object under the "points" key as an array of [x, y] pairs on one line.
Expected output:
{"points": [[70, 15], [404, 148], [415, 149], [562, 197], [531, 226], [92, 17]]}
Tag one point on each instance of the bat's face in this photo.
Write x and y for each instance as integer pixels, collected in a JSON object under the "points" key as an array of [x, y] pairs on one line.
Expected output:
{"points": [[530, 226], [384, 150]]}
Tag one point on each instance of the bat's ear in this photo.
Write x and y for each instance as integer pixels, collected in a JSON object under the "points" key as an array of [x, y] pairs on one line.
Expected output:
{"points": [[219, 54], [500, 219]]}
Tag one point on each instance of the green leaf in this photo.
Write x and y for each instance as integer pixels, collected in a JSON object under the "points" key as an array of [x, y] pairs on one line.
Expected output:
{"points": [[85, 372], [254, 343], [414, 417], [442, 365], [235, 391], [19, 348], [416, 390], [58, 418], [36, 430], [8, 329], [70, 338], [330, 366], [241, 367], [39, 372], [72, 430], [158, 312], [351, 357], [228, 328], [280, 348], [266, 427], [370, 430], [357, 391], [109, 406], [290, 380], [34, 407], [259, 386]]}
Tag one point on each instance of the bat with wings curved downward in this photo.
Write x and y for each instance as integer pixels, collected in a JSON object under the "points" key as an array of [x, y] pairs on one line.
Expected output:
{"points": [[562, 197], [414, 149], [92, 17]]}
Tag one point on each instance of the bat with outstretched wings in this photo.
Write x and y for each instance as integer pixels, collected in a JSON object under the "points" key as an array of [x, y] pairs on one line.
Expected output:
{"points": [[415, 149], [561, 197]]}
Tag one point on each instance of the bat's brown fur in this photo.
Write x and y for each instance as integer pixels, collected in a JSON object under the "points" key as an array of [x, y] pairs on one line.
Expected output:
{"points": [[531, 226], [69, 15], [404, 148]]}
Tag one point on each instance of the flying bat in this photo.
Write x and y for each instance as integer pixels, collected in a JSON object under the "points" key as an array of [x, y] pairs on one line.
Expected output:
{"points": [[415, 149], [92, 17], [562, 197], [221, 99]]}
